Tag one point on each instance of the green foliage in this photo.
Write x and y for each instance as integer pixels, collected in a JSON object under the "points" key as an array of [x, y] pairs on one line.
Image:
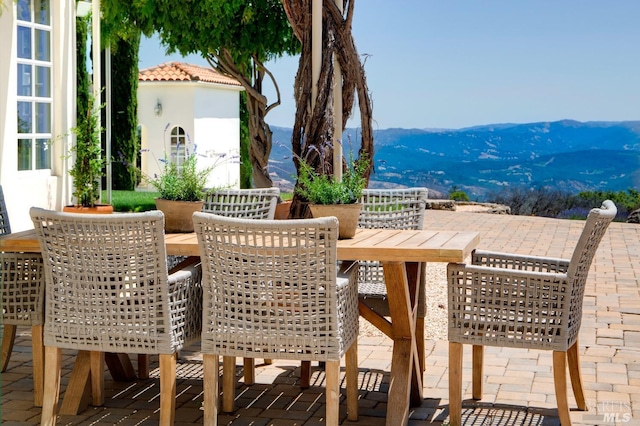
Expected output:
{"points": [[82, 75], [124, 111], [248, 30], [132, 201], [87, 169], [185, 184], [325, 189], [458, 194], [119, 29], [559, 204], [628, 200], [246, 170]]}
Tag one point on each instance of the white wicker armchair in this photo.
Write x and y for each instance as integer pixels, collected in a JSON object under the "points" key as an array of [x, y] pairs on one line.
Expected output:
{"points": [[390, 209], [22, 277], [517, 301], [271, 290], [108, 290]]}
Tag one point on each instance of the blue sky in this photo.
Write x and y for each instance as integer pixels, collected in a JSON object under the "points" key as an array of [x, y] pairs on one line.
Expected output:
{"points": [[454, 64]]}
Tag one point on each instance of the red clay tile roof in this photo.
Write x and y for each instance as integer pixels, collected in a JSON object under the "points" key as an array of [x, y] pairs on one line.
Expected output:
{"points": [[180, 71]]}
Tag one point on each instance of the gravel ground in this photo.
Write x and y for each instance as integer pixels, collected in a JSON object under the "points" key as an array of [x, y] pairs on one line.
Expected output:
{"points": [[436, 320]]}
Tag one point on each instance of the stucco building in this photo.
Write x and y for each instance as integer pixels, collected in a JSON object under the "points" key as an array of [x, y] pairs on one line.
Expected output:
{"points": [[186, 109]]}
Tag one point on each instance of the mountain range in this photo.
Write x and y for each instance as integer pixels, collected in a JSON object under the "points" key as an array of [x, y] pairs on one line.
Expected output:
{"points": [[565, 155]]}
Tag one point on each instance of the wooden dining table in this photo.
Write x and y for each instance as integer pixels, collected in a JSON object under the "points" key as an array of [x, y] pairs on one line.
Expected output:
{"points": [[401, 253]]}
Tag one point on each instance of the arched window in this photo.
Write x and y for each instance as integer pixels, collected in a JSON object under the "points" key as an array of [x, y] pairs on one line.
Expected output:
{"points": [[178, 146]]}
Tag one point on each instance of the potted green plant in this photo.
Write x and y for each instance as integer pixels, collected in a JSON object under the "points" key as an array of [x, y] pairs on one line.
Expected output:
{"points": [[328, 196], [87, 170], [182, 190]]}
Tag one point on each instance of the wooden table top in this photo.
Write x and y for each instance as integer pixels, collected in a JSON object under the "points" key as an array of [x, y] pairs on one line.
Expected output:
{"points": [[387, 245]]}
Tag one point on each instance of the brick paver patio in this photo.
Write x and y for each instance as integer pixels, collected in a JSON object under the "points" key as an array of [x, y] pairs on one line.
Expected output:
{"points": [[518, 383]]}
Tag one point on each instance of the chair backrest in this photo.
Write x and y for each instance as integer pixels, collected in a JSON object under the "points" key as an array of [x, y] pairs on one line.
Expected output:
{"points": [[270, 285], [595, 226], [5, 227], [393, 208], [256, 203], [22, 280], [594, 229], [106, 281]]}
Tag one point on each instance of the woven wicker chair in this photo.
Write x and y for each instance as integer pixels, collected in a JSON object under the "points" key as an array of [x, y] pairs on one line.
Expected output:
{"points": [[22, 303], [108, 290], [390, 209], [510, 300], [271, 289], [255, 203]]}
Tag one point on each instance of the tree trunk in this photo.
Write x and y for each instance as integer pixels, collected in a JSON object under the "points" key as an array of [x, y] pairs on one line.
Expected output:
{"points": [[259, 131], [316, 126]]}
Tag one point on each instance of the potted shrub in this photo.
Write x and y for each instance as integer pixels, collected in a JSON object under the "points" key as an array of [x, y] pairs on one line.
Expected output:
{"points": [[182, 192], [87, 170], [330, 197]]}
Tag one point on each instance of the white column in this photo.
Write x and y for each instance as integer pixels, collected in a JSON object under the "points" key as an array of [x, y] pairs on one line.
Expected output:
{"points": [[337, 114], [95, 40], [108, 124], [316, 48]]}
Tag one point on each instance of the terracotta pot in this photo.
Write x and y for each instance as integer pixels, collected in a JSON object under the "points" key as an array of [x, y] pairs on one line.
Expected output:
{"points": [[347, 215], [178, 215], [282, 210], [97, 209]]}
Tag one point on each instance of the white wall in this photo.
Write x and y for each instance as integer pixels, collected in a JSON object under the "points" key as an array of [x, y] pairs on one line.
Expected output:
{"points": [[42, 188], [217, 134], [177, 110], [208, 113]]}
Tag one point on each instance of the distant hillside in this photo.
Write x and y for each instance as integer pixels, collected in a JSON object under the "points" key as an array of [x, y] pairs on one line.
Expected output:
{"points": [[567, 155]]}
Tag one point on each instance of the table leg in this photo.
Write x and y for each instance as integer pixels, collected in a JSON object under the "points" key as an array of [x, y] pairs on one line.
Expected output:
{"points": [[406, 374]]}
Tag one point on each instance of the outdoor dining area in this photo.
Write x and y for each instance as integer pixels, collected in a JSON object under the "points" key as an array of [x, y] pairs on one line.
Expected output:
{"points": [[147, 327]]}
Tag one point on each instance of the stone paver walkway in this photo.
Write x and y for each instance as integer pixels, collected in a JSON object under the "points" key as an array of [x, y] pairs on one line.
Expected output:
{"points": [[518, 383]]}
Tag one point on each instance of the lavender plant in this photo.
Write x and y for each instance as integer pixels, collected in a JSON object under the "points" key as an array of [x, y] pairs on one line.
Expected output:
{"points": [[186, 183], [322, 188]]}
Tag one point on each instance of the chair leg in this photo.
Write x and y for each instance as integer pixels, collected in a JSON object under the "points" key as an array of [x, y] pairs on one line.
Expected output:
{"points": [[455, 384], [211, 388], [53, 365], [249, 371], [228, 383], [560, 383], [8, 338], [305, 374], [420, 341], [144, 360], [120, 367], [332, 373], [573, 357], [477, 365], [37, 350], [167, 389], [97, 378], [352, 381], [77, 394]]}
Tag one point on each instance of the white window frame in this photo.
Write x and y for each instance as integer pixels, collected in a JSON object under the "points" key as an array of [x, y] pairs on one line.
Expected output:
{"points": [[178, 140], [34, 135]]}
